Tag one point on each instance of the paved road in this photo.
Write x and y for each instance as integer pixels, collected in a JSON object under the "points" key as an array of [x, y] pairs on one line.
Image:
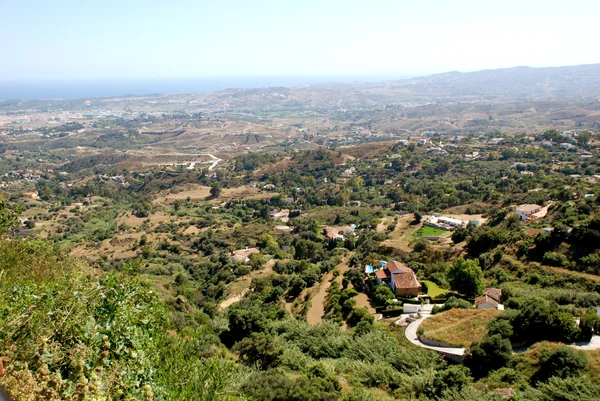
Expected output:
{"points": [[411, 334]]}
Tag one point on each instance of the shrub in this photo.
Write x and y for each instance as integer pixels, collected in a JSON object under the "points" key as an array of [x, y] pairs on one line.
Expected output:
{"points": [[493, 353], [560, 362]]}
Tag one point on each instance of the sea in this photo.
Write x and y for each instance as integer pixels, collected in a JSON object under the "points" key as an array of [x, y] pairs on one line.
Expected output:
{"points": [[77, 89]]}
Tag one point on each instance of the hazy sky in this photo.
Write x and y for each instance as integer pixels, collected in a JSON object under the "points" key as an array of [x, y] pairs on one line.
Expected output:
{"points": [[83, 39]]}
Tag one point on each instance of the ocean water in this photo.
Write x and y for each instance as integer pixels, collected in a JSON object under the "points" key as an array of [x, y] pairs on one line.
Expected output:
{"points": [[30, 90]]}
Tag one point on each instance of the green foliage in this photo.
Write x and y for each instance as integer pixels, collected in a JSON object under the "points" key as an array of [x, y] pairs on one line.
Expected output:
{"points": [[539, 319], [466, 277], [260, 350], [484, 239], [589, 324], [454, 302], [454, 378], [276, 386], [61, 327], [560, 362], [8, 217], [382, 294], [215, 189], [492, 353], [557, 389]]}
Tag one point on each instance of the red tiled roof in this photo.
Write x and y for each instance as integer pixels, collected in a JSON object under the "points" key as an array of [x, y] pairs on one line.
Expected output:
{"points": [[485, 298], [381, 274], [495, 293], [404, 276], [394, 266]]}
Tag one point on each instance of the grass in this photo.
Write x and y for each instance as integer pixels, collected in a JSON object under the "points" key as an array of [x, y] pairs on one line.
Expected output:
{"points": [[459, 327], [428, 231], [434, 290]]}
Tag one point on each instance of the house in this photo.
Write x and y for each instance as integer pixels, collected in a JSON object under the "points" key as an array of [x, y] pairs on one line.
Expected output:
{"points": [[243, 255], [349, 172], [566, 145], [32, 195], [401, 279], [526, 210], [282, 215], [443, 222], [490, 299], [339, 232]]}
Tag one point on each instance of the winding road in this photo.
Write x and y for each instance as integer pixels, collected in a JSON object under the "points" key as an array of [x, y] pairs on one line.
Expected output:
{"points": [[215, 161], [411, 335]]}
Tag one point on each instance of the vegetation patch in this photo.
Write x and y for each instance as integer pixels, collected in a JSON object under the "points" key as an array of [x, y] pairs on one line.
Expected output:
{"points": [[458, 327], [434, 290], [428, 231]]}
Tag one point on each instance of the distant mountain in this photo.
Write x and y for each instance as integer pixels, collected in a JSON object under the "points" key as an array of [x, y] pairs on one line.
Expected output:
{"points": [[520, 83]]}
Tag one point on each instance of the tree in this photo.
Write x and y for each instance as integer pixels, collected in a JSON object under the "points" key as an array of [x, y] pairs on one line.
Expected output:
{"points": [[466, 277], [560, 362], [418, 218], [360, 315], [260, 350], [215, 189], [176, 205], [539, 319], [493, 353], [453, 378], [382, 294], [460, 234], [297, 284], [590, 323]]}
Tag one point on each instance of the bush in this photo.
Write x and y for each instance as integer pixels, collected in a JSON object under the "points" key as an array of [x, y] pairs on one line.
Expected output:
{"points": [[560, 362], [493, 353], [456, 303], [260, 350]]}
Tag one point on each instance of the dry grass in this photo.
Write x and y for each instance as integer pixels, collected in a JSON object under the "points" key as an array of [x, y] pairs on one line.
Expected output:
{"points": [[459, 327]]}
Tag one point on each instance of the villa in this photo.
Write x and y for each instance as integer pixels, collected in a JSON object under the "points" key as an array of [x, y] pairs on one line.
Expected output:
{"points": [[400, 278]]}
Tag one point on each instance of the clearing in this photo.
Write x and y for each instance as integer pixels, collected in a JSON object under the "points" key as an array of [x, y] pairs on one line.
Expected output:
{"points": [[434, 290], [399, 237], [458, 327]]}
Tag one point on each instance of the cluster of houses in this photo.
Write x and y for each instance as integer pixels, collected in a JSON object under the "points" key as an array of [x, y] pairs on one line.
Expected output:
{"points": [[403, 282], [27, 175]]}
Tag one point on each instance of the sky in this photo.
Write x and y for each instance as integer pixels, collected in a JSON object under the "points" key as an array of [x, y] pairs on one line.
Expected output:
{"points": [[107, 39]]}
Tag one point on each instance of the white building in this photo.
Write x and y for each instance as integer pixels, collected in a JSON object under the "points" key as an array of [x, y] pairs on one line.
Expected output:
{"points": [[526, 210]]}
